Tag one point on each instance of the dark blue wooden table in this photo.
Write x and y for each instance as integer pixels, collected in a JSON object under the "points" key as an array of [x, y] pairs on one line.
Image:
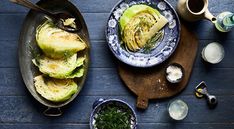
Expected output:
{"points": [[18, 109]]}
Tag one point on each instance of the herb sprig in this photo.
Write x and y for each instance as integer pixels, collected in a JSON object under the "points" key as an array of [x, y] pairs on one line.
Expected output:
{"points": [[112, 117]]}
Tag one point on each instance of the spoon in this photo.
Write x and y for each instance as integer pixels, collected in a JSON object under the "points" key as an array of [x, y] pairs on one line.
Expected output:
{"points": [[58, 18]]}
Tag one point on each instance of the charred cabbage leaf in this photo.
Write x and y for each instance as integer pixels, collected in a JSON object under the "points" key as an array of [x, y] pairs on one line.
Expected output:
{"points": [[61, 68], [57, 43], [55, 90], [139, 24]]}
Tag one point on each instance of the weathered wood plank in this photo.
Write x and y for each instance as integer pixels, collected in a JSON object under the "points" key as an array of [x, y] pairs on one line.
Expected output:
{"points": [[105, 81], [227, 62], [96, 23], [45, 126], [19, 110], [8, 54], [140, 126], [92, 6], [206, 30], [175, 125], [10, 26], [26, 110], [101, 57]]}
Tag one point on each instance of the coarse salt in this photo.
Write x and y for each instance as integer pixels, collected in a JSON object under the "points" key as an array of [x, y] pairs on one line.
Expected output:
{"points": [[174, 73]]}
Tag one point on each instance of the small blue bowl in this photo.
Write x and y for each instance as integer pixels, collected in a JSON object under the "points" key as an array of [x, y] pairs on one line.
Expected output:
{"points": [[100, 103]]}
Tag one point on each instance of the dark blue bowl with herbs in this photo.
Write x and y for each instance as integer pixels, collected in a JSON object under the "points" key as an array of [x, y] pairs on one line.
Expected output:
{"points": [[112, 114]]}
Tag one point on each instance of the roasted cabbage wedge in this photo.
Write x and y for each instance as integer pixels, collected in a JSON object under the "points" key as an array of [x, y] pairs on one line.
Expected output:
{"points": [[55, 90], [56, 43], [60, 68], [139, 24]]}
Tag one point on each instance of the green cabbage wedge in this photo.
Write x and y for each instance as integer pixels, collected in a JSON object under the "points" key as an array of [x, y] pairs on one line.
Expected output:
{"points": [[139, 24], [56, 43], [61, 68], [55, 90]]}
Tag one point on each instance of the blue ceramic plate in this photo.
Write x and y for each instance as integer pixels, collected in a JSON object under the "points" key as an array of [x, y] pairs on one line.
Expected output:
{"points": [[161, 51]]}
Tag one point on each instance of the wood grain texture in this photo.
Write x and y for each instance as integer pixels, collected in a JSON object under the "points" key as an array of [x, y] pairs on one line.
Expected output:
{"points": [[101, 57], [94, 6], [96, 23], [140, 126], [105, 81], [151, 83], [19, 109]]}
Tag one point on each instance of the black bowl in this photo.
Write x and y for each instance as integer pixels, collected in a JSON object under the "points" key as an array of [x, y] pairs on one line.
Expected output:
{"points": [[176, 65]]}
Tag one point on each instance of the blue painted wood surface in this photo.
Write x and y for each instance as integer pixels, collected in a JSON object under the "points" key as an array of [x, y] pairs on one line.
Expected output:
{"points": [[18, 109]]}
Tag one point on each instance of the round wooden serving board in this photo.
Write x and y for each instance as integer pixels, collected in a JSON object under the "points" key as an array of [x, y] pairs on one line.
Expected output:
{"points": [[151, 83]]}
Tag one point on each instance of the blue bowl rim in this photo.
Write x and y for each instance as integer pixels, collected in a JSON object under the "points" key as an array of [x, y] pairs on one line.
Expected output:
{"points": [[152, 65]]}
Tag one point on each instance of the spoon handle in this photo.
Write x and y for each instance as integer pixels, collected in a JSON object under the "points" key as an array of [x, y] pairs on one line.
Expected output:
{"points": [[30, 5]]}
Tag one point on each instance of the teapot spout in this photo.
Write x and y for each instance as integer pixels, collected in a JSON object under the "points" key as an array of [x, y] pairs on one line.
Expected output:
{"points": [[210, 16]]}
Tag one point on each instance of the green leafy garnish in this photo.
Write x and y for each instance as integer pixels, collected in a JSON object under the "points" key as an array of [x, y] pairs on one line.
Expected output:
{"points": [[112, 117], [153, 42]]}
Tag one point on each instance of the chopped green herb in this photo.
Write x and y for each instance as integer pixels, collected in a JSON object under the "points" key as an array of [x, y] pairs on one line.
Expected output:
{"points": [[112, 117], [153, 42]]}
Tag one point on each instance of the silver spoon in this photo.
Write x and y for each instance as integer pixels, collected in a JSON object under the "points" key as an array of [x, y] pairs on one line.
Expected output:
{"points": [[57, 17]]}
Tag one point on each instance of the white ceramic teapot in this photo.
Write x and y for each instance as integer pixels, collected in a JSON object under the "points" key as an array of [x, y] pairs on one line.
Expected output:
{"points": [[193, 10]]}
